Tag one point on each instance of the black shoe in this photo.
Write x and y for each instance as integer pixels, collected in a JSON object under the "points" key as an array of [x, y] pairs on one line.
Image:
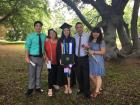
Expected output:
{"points": [[29, 92], [39, 90]]}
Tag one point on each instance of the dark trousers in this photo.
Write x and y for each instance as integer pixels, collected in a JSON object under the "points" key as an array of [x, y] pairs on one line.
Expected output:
{"points": [[52, 76], [82, 73]]}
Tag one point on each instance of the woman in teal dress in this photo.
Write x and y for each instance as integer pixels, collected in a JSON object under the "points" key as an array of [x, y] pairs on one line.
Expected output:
{"points": [[96, 60]]}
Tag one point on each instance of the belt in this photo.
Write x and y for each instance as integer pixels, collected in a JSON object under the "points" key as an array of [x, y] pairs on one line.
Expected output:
{"points": [[82, 57], [36, 55]]}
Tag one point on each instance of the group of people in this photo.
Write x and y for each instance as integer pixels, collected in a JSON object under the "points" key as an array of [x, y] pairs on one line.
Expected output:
{"points": [[84, 52]]}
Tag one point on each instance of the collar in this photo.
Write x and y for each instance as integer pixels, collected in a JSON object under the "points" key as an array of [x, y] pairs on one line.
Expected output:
{"points": [[79, 35], [37, 33]]}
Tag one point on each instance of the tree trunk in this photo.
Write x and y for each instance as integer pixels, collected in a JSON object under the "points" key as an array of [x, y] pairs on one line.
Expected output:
{"points": [[134, 30], [124, 39], [110, 40], [111, 17]]}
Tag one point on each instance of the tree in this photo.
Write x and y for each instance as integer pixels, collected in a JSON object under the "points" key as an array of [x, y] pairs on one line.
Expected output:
{"points": [[19, 15], [134, 29], [112, 23]]}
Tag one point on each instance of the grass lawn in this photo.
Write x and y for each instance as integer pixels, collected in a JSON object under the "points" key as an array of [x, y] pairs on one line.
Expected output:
{"points": [[121, 84], [5, 42]]}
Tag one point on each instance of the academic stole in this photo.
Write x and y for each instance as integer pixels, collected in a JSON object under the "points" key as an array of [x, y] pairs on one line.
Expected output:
{"points": [[66, 48]]}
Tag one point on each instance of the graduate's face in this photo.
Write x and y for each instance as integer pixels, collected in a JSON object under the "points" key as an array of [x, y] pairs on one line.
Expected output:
{"points": [[38, 27], [66, 32], [95, 35], [79, 28]]}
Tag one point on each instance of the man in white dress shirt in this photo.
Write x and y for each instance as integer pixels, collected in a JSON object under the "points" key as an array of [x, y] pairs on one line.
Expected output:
{"points": [[82, 62]]}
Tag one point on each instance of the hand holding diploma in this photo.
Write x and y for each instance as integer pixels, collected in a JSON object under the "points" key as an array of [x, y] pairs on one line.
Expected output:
{"points": [[27, 60], [61, 62], [89, 51], [32, 63], [48, 63]]}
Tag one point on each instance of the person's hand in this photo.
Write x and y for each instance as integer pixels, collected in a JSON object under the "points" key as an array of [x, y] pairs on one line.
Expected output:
{"points": [[27, 59], [85, 46], [61, 62], [46, 59], [90, 52]]}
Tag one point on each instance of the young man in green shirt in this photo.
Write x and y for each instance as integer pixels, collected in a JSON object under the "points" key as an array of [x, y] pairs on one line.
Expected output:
{"points": [[34, 51]]}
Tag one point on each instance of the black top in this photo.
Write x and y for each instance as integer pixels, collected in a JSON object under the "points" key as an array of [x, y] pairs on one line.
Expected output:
{"points": [[58, 48]]}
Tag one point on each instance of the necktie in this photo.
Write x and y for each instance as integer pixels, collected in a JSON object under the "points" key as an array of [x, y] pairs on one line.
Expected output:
{"points": [[79, 46], [40, 45]]}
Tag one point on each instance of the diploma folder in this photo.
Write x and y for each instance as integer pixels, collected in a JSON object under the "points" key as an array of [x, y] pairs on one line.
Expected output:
{"points": [[67, 59]]}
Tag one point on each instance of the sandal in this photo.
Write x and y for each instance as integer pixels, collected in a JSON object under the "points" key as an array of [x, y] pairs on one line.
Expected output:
{"points": [[96, 94], [70, 91], [66, 91], [50, 94], [101, 89]]}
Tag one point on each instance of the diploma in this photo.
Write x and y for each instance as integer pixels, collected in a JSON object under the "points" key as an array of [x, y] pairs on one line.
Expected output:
{"points": [[32, 63], [66, 70], [93, 56], [49, 65]]}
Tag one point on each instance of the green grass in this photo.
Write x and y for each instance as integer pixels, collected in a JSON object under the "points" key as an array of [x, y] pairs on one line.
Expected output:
{"points": [[121, 84], [3, 42]]}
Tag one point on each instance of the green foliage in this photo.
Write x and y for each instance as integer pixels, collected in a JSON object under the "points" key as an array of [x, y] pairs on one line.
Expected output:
{"points": [[20, 23], [90, 14], [25, 12], [128, 14]]}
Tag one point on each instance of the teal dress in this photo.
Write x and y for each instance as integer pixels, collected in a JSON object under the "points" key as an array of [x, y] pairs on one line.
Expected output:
{"points": [[96, 62]]}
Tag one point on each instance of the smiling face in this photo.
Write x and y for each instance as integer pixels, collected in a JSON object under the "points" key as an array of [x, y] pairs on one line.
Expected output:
{"points": [[66, 32], [79, 28], [52, 34], [38, 27], [95, 35]]}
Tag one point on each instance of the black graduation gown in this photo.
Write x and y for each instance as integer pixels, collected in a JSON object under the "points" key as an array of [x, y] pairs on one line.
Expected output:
{"points": [[60, 74]]}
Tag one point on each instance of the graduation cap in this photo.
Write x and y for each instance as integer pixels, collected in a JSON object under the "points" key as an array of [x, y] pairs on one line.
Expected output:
{"points": [[65, 25]]}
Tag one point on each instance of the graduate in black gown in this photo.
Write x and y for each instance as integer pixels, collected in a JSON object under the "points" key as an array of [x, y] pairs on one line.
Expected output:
{"points": [[66, 39]]}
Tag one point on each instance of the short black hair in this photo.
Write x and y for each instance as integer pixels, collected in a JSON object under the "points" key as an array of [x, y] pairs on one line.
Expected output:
{"points": [[38, 22], [79, 23]]}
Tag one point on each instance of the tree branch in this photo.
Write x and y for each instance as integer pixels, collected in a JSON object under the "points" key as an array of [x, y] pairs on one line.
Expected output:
{"points": [[134, 29], [12, 12], [119, 5], [77, 11]]}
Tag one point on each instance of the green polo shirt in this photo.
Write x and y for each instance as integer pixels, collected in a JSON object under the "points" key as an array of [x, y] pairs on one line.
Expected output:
{"points": [[32, 43]]}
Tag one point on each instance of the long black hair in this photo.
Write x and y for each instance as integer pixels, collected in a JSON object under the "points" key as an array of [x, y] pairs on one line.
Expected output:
{"points": [[50, 31], [63, 36], [97, 30]]}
